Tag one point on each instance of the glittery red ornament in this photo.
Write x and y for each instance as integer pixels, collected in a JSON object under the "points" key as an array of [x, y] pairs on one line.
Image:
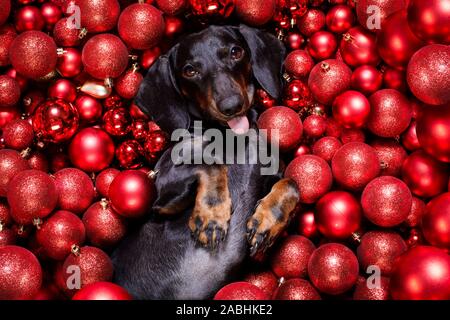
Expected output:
{"points": [[326, 148], [18, 134], [20, 273], [55, 121], [256, 12], [305, 169], [65, 35], [328, 79], [241, 291], [290, 260], [130, 154], [314, 126], [145, 18], [372, 13], [436, 221], [264, 280], [352, 135], [58, 161], [105, 56], [391, 156], [299, 63], [334, 129], [33, 54], [322, 45], [6, 8], [351, 109], [9, 91], [63, 89], [117, 122], [367, 79], [113, 101], [98, 15], [312, 21], [386, 201], [427, 74], [69, 63], [296, 289], [21, 80], [423, 273], [333, 268], [89, 109], [104, 180], [91, 150], [429, 20], [38, 161], [358, 47], [297, 95], [172, 7], [11, 163], [5, 213], [364, 291], [29, 18], [424, 175], [7, 237], [6, 40], [31, 194], [208, 10], [127, 85], [102, 291], [75, 188], [340, 18], [409, 138]]}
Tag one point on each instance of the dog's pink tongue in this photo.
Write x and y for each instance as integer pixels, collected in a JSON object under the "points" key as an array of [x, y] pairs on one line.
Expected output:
{"points": [[239, 125]]}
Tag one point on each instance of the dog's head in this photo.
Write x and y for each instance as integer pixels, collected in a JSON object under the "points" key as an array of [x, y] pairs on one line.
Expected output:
{"points": [[212, 75]]}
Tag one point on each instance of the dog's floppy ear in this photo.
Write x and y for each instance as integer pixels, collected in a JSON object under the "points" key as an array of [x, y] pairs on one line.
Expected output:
{"points": [[267, 55], [160, 98]]}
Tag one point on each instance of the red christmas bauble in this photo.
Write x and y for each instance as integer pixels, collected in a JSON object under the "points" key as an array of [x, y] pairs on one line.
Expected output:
{"points": [[6, 40], [20, 273], [307, 168], [333, 268], [427, 74], [365, 292], [307, 225], [102, 291], [358, 47], [55, 121], [429, 20], [296, 289], [351, 109], [395, 79], [148, 57], [63, 89], [312, 21], [139, 129], [294, 40], [322, 45], [98, 15], [338, 215], [297, 95], [340, 18], [352, 135], [9, 91], [91, 150], [241, 291], [314, 126], [326, 148], [264, 280], [372, 13], [155, 143], [89, 109], [7, 237], [131, 193], [117, 121], [422, 273], [256, 12], [58, 161], [18, 134], [418, 209], [409, 137], [69, 64], [11, 163], [65, 35], [32, 99], [386, 201], [290, 260], [328, 79], [59, 233], [173, 26], [145, 18], [424, 175], [391, 156], [104, 180], [5, 214], [436, 221], [299, 63], [31, 194], [355, 165], [334, 129], [6, 8], [38, 161], [215, 9], [172, 7], [29, 18], [105, 56], [51, 14], [33, 54], [127, 85], [367, 79], [21, 80], [76, 190], [130, 154]]}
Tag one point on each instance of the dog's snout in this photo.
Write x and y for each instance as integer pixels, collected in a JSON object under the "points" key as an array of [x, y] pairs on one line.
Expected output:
{"points": [[231, 105]]}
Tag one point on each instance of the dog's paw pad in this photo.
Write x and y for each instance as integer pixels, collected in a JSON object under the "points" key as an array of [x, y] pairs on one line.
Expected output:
{"points": [[209, 229], [262, 230]]}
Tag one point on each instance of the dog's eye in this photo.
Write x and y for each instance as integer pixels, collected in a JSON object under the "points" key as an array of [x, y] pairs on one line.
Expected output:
{"points": [[237, 53], [189, 71]]}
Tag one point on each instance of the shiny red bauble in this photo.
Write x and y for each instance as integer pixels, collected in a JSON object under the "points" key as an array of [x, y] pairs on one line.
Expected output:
{"points": [[297, 95], [367, 79], [429, 20], [322, 45], [11, 163], [32, 194], [63, 89], [264, 280], [328, 79], [104, 180], [364, 291], [333, 268], [102, 291], [255, 13], [424, 175], [6, 9], [139, 129], [290, 260], [130, 154], [18, 134], [33, 54], [241, 291], [127, 85], [89, 109], [418, 209], [274, 121], [296, 289], [422, 273], [427, 74], [312, 21], [409, 137], [372, 13], [69, 63], [105, 56], [395, 79], [351, 109], [55, 121], [59, 233], [98, 15], [338, 215], [29, 18], [306, 224], [9, 91], [148, 57], [358, 47], [51, 14], [314, 126], [340, 18], [436, 221], [299, 63], [386, 201], [355, 165], [20, 273], [218, 9], [131, 193], [65, 35], [391, 155], [145, 18], [117, 121]]}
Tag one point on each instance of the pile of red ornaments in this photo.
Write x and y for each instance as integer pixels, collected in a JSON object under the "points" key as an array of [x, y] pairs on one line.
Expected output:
{"points": [[366, 114]]}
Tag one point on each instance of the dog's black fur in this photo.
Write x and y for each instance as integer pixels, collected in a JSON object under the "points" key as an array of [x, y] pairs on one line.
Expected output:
{"points": [[162, 260]]}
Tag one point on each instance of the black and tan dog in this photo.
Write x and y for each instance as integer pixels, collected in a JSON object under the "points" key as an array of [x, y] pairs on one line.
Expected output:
{"points": [[208, 217]]}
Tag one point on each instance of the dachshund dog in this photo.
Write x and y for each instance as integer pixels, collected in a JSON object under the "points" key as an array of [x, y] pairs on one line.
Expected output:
{"points": [[208, 218]]}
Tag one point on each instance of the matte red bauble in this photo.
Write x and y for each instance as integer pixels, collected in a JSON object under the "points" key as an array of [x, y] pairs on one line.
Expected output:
{"points": [[33, 54], [372, 13], [98, 15], [58, 161], [365, 292], [290, 260], [429, 20], [333, 268], [89, 109], [102, 291], [424, 175], [32, 194], [358, 47], [395, 79], [310, 168], [299, 63], [11, 163], [104, 180], [9, 91], [6, 8], [322, 45], [386, 201], [69, 63], [418, 209], [427, 74], [59, 233], [241, 291], [355, 165], [328, 79], [351, 109], [423, 273], [296, 289], [29, 18], [75, 188], [391, 156], [367, 79], [297, 95], [256, 12], [334, 129], [145, 18], [20, 273], [338, 215], [314, 126], [127, 85], [409, 137], [264, 280], [18, 134], [131, 193], [55, 121], [436, 222], [105, 56], [64, 35], [63, 89], [130, 154], [51, 14], [340, 18], [312, 21]]}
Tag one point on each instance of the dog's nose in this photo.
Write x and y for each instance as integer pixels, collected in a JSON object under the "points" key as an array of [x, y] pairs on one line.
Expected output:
{"points": [[231, 105]]}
